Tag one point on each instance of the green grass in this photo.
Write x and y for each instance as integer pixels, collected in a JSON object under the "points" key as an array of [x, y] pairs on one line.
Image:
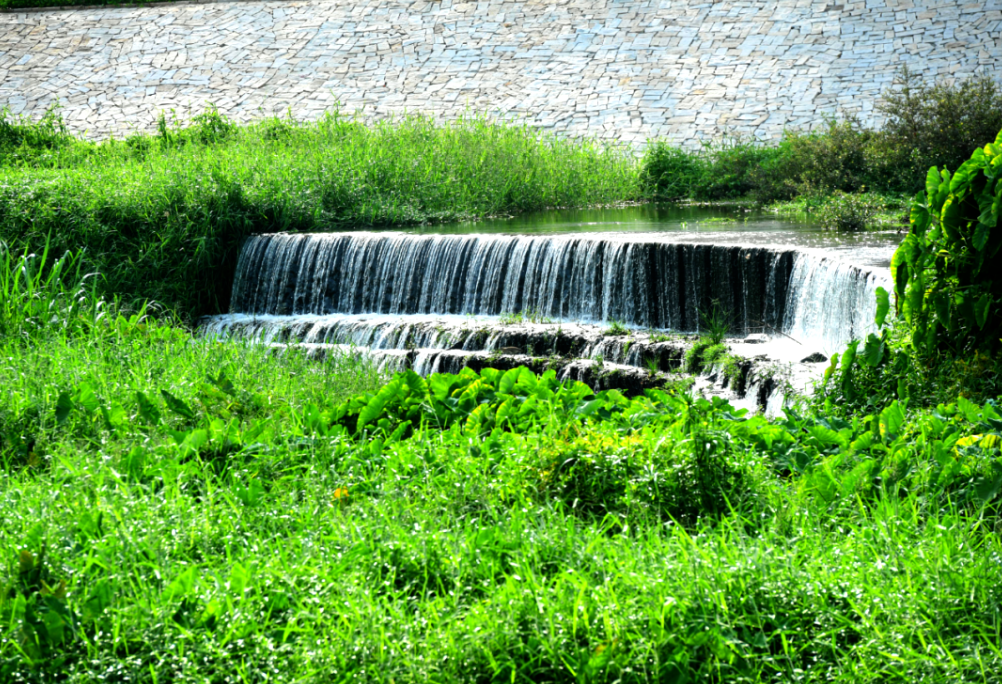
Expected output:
{"points": [[190, 510], [888, 210], [183, 510], [162, 217], [565, 547]]}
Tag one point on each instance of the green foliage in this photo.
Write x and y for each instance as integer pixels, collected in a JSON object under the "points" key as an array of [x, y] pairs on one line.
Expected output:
{"points": [[927, 124], [946, 285], [176, 509], [817, 163], [41, 295], [32, 142], [842, 211], [230, 505], [616, 329], [716, 323], [670, 173], [946, 335], [162, 217], [935, 124]]}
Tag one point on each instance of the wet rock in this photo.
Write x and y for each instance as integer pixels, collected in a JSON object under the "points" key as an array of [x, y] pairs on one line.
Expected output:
{"points": [[816, 357]]}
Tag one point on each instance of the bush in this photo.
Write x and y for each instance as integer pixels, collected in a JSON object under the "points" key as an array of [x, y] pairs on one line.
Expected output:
{"points": [[935, 124], [669, 173], [816, 163], [946, 270], [844, 211], [730, 169]]}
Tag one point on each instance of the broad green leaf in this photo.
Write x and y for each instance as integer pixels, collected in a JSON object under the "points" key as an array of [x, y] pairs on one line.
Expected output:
{"points": [[240, 580], [508, 380], [990, 486], [182, 585], [826, 436], [375, 407], [873, 351], [114, 416], [919, 215], [883, 306], [64, 404], [981, 309], [147, 410], [961, 181], [252, 494], [970, 410], [830, 370], [86, 398], [223, 383], [176, 405], [932, 181], [981, 236], [416, 384], [942, 302], [848, 359], [891, 420]]}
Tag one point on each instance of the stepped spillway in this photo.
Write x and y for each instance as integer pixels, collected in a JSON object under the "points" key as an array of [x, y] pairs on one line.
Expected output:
{"points": [[639, 280]]}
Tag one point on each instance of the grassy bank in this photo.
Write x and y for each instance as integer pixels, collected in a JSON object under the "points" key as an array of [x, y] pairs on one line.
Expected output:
{"points": [[178, 511], [161, 217]]}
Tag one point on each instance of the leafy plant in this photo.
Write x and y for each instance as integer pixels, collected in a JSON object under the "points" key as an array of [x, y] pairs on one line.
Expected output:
{"points": [[616, 329], [843, 211], [715, 323], [40, 293], [669, 173], [946, 286]]}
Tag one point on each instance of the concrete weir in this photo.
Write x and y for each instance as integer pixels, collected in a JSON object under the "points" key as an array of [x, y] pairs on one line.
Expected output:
{"points": [[612, 310]]}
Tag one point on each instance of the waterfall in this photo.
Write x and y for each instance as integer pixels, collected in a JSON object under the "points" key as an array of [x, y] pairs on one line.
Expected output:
{"points": [[639, 281], [393, 291], [831, 302]]}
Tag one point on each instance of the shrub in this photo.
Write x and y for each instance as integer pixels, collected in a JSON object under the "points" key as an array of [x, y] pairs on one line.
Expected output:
{"points": [[731, 168], [669, 173], [844, 211], [936, 124]]}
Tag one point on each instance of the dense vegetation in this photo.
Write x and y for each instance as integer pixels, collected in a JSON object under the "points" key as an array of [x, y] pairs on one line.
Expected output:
{"points": [[162, 216], [845, 172], [199, 511], [946, 333], [174, 509]]}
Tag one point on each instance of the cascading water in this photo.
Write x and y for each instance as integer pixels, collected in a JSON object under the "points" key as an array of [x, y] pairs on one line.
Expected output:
{"points": [[439, 302], [832, 302], [640, 282]]}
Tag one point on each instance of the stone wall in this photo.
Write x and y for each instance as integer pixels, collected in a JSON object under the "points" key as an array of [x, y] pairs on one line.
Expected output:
{"points": [[614, 69]]}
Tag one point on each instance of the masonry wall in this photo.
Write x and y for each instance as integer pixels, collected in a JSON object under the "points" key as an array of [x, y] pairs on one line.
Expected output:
{"points": [[614, 69]]}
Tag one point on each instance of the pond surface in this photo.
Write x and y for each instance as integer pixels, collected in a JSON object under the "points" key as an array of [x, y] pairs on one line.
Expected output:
{"points": [[718, 224]]}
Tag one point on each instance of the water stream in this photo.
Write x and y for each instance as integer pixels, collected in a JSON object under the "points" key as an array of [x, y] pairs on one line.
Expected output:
{"points": [[464, 287]]}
